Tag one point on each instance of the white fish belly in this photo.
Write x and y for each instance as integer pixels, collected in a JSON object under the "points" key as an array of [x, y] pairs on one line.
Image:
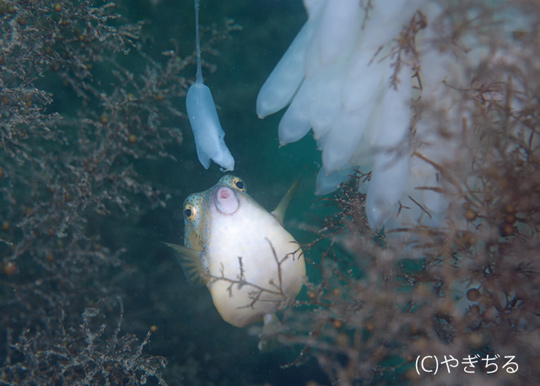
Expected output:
{"points": [[255, 265]]}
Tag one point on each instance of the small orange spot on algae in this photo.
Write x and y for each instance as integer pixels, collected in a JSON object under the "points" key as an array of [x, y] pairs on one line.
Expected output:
{"points": [[369, 326], [510, 218], [476, 339], [471, 215], [474, 310], [473, 295], [9, 268], [507, 230], [510, 208]]}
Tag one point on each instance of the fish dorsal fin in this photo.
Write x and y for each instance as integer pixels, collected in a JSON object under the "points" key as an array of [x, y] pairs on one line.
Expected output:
{"points": [[279, 212], [191, 262]]}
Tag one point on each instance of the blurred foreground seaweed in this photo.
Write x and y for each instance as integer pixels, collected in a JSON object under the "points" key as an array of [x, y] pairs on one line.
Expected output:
{"points": [[379, 305]]}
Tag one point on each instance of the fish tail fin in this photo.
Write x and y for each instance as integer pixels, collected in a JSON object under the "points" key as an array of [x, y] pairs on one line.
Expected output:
{"points": [[269, 341]]}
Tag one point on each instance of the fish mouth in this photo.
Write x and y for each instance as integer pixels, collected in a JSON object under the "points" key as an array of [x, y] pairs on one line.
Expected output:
{"points": [[226, 200]]}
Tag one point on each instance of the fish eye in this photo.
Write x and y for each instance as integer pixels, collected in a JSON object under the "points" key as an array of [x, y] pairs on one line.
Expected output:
{"points": [[190, 212], [239, 184]]}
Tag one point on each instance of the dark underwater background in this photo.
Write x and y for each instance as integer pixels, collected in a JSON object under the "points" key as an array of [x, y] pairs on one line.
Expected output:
{"points": [[96, 159], [192, 334], [199, 347]]}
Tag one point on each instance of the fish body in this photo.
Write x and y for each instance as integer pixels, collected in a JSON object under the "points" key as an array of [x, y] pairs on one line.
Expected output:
{"points": [[248, 261]]}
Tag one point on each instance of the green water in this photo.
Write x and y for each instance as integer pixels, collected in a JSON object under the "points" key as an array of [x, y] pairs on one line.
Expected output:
{"points": [[81, 224], [200, 347]]}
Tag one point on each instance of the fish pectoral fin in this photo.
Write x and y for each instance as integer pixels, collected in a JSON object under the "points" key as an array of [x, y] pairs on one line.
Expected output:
{"points": [[191, 262], [279, 212]]}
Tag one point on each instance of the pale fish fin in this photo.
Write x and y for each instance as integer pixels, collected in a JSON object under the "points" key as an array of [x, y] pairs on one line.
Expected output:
{"points": [[279, 212], [191, 262], [271, 328]]}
